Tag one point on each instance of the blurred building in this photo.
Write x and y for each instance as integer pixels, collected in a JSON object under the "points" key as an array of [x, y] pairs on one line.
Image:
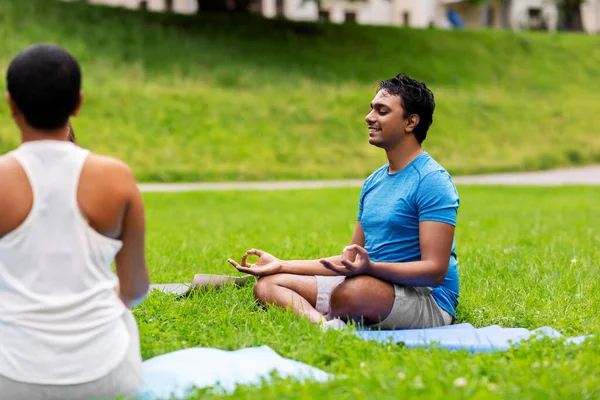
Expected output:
{"points": [[507, 14], [178, 6]]}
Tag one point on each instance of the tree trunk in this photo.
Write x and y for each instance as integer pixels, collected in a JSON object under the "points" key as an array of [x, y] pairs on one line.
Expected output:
{"points": [[237, 6], [506, 9], [241, 6], [485, 13], [212, 6]]}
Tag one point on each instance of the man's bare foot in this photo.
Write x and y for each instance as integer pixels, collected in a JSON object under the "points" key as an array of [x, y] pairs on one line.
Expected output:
{"points": [[336, 324]]}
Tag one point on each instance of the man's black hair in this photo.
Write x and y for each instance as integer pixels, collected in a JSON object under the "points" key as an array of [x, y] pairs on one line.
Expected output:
{"points": [[44, 81], [416, 99]]}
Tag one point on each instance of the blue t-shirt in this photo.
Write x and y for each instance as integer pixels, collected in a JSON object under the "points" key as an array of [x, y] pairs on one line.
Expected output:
{"points": [[391, 207]]}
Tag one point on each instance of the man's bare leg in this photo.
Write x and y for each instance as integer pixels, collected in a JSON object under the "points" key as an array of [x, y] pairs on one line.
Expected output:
{"points": [[363, 299], [299, 292]]}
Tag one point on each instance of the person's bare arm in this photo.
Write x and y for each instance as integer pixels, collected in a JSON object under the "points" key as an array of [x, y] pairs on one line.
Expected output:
{"points": [[17, 198], [315, 267], [267, 264], [436, 244], [131, 260]]}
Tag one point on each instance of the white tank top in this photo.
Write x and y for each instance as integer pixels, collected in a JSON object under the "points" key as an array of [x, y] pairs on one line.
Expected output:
{"points": [[60, 318]]}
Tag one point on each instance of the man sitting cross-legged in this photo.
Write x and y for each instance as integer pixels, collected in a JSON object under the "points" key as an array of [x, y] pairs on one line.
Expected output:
{"points": [[400, 270]]}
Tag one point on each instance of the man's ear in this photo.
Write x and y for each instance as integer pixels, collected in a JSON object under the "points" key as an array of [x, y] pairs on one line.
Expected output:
{"points": [[78, 107], [412, 122], [14, 109]]}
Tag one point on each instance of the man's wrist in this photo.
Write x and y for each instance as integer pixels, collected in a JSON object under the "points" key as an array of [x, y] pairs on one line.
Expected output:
{"points": [[285, 267], [371, 267]]}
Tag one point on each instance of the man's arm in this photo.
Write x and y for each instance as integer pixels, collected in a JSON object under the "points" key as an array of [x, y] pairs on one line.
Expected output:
{"points": [[267, 264], [131, 260], [314, 267], [436, 244], [437, 204]]}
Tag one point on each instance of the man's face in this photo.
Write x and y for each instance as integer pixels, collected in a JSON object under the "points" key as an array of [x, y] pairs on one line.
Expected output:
{"points": [[386, 122]]}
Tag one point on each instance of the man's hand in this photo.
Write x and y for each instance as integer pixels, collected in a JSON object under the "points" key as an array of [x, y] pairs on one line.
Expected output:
{"points": [[355, 260], [267, 264]]}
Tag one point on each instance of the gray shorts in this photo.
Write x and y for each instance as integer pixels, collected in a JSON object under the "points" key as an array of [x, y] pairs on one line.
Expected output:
{"points": [[123, 380], [414, 307]]}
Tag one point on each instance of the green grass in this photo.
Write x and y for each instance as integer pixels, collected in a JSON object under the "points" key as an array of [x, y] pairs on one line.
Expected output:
{"points": [[528, 258], [187, 98]]}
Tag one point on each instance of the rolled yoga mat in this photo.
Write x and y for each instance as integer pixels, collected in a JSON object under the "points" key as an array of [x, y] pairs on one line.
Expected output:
{"points": [[200, 281]]}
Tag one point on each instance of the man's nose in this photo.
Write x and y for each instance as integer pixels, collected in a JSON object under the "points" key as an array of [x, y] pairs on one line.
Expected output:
{"points": [[370, 117]]}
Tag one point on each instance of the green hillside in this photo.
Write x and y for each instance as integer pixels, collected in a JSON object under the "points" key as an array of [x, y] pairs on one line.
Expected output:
{"points": [[223, 97]]}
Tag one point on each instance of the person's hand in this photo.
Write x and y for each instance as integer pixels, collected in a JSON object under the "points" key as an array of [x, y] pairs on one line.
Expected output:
{"points": [[267, 264], [360, 266]]}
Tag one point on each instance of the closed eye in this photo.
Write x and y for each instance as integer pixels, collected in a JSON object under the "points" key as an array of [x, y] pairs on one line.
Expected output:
{"points": [[381, 109]]}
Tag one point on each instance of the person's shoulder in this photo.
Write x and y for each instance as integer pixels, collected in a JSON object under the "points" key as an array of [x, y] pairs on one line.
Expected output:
{"points": [[7, 161], [110, 163], [9, 166], [427, 169], [433, 177], [427, 165], [109, 171]]}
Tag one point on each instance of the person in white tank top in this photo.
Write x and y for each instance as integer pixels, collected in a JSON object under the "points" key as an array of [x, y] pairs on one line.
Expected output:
{"points": [[66, 214]]}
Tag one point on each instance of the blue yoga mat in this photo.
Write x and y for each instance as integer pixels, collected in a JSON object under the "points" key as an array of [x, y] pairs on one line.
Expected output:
{"points": [[173, 374], [463, 337]]}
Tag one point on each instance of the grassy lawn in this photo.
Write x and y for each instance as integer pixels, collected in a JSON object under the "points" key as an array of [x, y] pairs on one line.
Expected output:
{"points": [[187, 98], [528, 258]]}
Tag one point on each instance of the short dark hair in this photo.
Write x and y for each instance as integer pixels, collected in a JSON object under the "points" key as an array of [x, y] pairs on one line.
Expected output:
{"points": [[44, 81], [416, 99]]}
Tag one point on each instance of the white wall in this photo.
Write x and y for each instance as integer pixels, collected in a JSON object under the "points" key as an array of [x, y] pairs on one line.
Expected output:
{"points": [[268, 8], [428, 12], [295, 10], [590, 13], [383, 12], [336, 11], [411, 7], [179, 6], [519, 15], [376, 12], [186, 6], [292, 9]]}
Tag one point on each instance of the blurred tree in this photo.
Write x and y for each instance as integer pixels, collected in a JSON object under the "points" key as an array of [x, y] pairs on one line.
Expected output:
{"points": [[569, 15], [238, 6]]}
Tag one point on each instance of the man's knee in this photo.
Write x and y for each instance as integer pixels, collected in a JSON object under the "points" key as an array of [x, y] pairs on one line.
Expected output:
{"points": [[267, 287], [361, 296], [263, 287], [343, 300]]}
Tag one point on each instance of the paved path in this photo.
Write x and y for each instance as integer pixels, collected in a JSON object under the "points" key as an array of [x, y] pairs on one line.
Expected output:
{"points": [[567, 176]]}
